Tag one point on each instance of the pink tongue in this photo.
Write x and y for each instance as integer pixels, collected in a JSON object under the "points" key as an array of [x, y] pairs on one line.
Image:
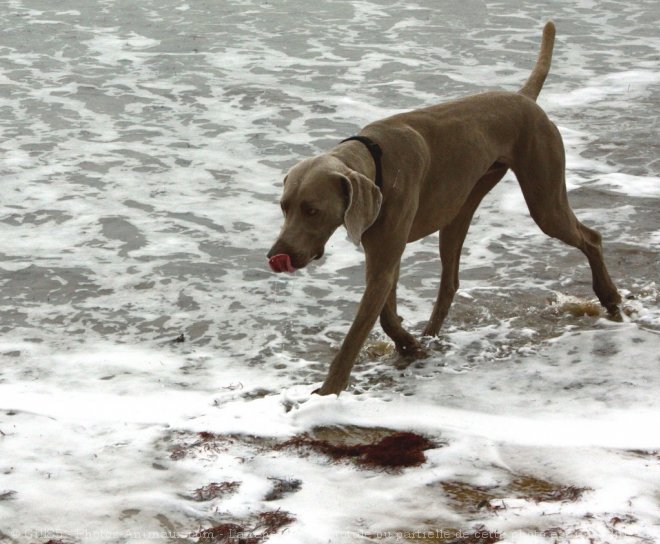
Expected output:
{"points": [[281, 263]]}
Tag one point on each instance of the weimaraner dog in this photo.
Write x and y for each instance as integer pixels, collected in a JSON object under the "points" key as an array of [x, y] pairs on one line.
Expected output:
{"points": [[415, 173]]}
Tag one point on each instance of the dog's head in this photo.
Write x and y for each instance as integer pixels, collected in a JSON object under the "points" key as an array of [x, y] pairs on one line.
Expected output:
{"points": [[320, 194]]}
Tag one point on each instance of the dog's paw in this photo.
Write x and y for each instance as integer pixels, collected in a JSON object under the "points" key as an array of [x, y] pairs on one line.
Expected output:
{"points": [[329, 389], [615, 312], [413, 350]]}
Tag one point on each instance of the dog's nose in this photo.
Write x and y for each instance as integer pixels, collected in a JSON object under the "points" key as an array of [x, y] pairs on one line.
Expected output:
{"points": [[278, 247]]}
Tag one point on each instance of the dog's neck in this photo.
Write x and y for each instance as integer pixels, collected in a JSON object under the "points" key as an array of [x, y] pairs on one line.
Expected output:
{"points": [[356, 156]]}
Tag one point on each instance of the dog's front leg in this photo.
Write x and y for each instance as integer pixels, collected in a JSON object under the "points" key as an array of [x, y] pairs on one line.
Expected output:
{"points": [[382, 262], [373, 300]]}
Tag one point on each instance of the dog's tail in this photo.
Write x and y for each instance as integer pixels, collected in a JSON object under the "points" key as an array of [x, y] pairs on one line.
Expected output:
{"points": [[533, 85]]}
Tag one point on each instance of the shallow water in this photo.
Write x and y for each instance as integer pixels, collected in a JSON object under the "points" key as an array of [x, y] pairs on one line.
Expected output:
{"points": [[143, 147]]}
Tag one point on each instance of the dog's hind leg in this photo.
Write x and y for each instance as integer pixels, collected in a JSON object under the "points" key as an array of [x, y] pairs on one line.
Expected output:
{"points": [[541, 178], [406, 344], [558, 221], [451, 243]]}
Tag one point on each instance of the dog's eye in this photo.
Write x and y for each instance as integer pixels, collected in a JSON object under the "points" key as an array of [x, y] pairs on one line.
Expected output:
{"points": [[311, 212]]}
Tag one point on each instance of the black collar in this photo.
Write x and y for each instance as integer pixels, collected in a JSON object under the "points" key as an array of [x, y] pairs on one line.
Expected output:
{"points": [[376, 153]]}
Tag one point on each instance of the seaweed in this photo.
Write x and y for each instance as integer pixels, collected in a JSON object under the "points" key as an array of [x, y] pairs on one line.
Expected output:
{"points": [[401, 449], [282, 487], [214, 490], [471, 498], [264, 525]]}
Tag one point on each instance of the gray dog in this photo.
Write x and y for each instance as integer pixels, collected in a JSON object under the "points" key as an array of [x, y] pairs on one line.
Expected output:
{"points": [[412, 174]]}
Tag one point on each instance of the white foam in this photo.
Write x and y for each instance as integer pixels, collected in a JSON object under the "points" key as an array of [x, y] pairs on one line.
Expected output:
{"points": [[635, 186], [623, 86]]}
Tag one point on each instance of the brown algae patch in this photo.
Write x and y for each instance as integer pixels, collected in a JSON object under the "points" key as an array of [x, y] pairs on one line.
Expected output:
{"points": [[576, 307], [368, 447], [215, 490], [466, 497], [379, 349], [537, 490], [350, 435], [203, 443], [470, 498], [251, 531], [207, 444], [383, 449], [580, 309]]}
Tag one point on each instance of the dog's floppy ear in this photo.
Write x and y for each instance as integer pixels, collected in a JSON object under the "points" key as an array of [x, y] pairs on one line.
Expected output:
{"points": [[364, 200]]}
